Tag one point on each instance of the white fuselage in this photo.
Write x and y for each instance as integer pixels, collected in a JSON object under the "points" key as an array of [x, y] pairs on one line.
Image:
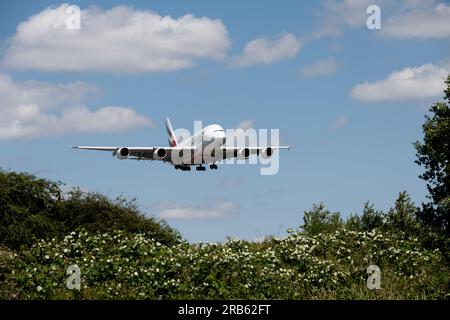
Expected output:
{"points": [[211, 137]]}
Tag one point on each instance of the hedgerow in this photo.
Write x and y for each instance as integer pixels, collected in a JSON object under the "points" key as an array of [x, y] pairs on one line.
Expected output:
{"points": [[117, 265]]}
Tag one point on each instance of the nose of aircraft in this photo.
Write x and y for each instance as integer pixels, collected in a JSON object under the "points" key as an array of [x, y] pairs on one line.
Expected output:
{"points": [[220, 136]]}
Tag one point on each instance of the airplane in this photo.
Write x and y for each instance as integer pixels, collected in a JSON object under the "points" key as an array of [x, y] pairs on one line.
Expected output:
{"points": [[204, 147]]}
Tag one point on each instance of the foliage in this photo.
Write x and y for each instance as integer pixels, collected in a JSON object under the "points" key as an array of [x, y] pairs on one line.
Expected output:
{"points": [[26, 203], [95, 212], [123, 255], [330, 265], [33, 208], [401, 218], [319, 219], [434, 155], [403, 215], [369, 220]]}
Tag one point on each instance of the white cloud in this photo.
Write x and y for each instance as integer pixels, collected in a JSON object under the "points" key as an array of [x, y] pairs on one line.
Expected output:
{"points": [[340, 122], [265, 50], [349, 12], [220, 210], [399, 19], [33, 109], [413, 83], [320, 67], [122, 40], [423, 21], [338, 15]]}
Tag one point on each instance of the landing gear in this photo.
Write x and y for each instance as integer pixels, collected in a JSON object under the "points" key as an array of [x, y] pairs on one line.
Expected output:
{"points": [[198, 168], [182, 168]]}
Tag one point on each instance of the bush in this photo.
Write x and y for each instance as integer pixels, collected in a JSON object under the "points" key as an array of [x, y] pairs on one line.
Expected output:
{"points": [[32, 208], [332, 265], [95, 212], [319, 220]]}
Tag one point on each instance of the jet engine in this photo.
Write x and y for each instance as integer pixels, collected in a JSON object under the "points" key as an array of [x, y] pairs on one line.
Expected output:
{"points": [[159, 154], [243, 153], [123, 153], [266, 153]]}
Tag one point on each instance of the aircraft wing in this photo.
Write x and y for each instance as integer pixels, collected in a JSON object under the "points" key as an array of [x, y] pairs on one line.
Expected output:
{"points": [[231, 152], [139, 153]]}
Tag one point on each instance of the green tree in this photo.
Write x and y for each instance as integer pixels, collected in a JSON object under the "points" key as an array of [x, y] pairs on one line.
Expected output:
{"points": [[95, 212], [320, 220], [32, 208], [403, 215], [434, 155], [353, 222], [25, 204], [371, 218]]}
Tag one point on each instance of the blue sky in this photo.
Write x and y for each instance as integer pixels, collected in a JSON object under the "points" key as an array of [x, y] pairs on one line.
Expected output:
{"points": [[350, 101]]}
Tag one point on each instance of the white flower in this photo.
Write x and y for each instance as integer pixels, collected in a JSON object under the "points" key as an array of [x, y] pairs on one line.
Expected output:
{"points": [[39, 288], [47, 257]]}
